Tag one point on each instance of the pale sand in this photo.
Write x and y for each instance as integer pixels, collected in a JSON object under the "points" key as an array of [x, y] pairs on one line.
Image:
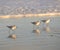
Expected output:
{"points": [[30, 15]]}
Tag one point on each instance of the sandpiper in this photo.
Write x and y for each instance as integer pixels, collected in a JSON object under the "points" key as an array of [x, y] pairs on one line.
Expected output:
{"points": [[36, 23], [46, 21], [12, 27]]}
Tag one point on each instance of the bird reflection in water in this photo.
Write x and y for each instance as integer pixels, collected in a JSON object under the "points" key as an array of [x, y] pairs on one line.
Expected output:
{"points": [[12, 36], [37, 31], [47, 29]]}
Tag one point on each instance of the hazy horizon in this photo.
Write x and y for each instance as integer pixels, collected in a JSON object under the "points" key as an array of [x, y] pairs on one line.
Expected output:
{"points": [[28, 6]]}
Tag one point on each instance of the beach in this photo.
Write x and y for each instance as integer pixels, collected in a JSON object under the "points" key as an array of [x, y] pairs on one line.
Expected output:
{"points": [[31, 15]]}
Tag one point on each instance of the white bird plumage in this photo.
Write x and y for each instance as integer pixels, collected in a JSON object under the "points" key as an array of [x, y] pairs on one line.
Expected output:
{"points": [[46, 21], [12, 27], [36, 23]]}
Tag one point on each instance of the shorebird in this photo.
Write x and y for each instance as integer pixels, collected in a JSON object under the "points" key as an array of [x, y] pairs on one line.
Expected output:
{"points": [[46, 21], [13, 27], [37, 23]]}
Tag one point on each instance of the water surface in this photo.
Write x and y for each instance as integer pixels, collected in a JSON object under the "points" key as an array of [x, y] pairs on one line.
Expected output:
{"points": [[29, 38]]}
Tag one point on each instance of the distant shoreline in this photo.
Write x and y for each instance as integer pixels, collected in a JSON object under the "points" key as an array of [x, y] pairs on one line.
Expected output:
{"points": [[30, 15]]}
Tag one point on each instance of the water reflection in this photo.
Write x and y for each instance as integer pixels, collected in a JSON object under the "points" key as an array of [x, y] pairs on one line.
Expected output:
{"points": [[37, 31], [12, 36], [47, 29]]}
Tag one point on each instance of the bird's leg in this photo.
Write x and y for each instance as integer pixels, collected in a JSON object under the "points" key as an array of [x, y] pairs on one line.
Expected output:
{"points": [[13, 31], [37, 27], [47, 24], [9, 31], [33, 26], [44, 25]]}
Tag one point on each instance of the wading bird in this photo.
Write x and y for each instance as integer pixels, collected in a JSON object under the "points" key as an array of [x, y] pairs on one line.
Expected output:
{"points": [[12, 27], [46, 21], [36, 23]]}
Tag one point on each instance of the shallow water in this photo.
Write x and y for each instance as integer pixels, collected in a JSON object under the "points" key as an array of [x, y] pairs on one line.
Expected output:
{"points": [[29, 38]]}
